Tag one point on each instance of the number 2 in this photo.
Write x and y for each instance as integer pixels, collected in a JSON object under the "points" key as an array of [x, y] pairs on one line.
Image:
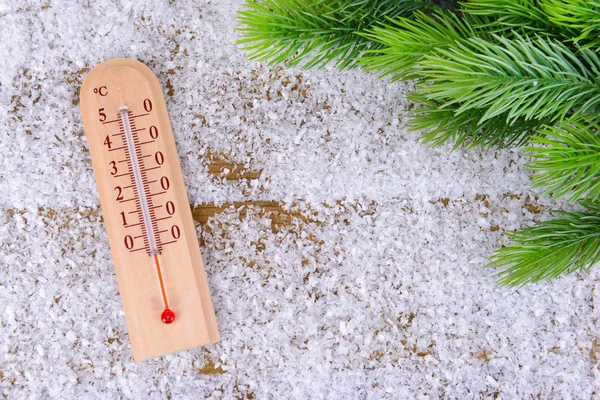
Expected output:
{"points": [[118, 189]]}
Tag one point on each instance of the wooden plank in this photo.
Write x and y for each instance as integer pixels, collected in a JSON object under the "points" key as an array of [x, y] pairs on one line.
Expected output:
{"points": [[222, 165]]}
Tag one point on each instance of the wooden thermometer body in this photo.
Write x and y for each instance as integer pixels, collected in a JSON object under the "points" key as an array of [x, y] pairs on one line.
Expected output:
{"points": [[145, 206]]}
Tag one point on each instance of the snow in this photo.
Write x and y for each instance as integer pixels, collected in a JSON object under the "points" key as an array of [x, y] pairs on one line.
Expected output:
{"points": [[380, 291]]}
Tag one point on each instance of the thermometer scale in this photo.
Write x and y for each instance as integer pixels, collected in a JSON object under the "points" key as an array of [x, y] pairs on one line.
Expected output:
{"points": [[151, 233]]}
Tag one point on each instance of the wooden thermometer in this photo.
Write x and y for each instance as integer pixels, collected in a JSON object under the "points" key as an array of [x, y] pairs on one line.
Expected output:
{"points": [[148, 218]]}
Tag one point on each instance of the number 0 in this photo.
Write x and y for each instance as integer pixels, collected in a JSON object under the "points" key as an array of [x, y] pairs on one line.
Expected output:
{"points": [[159, 158], [164, 183], [175, 232], [128, 242], [153, 132], [170, 208], [147, 105]]}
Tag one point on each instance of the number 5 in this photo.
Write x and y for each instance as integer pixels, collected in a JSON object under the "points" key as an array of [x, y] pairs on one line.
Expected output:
{"points": [[102, 115]]}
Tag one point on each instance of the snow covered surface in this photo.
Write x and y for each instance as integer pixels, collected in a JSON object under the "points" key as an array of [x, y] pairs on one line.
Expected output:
{"points": [[379, 292]]}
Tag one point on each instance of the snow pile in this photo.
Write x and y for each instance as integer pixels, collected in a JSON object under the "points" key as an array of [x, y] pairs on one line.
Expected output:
{"points": [[378, 291]]}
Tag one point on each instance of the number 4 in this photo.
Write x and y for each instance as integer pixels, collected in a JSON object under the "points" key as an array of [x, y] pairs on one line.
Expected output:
{"points": [[107, 142]]}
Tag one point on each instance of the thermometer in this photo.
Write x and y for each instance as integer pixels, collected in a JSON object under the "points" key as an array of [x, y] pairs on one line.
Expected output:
{"points": [[145, 206]]}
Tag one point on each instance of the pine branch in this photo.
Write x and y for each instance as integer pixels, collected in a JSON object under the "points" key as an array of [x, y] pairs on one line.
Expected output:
{"points": [[313, 33], [519, 78], [578, 19], [568, 161], [443, 124], [405, 41], [504, 16], [551, 248]]}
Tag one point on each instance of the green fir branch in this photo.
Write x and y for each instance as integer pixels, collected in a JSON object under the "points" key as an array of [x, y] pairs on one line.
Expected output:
{"points": [[489, 73], [405, 41], [442, 124], [566, 159], [577, 19], [551, 248], [519, 78], [312, 33], [504, 16]]}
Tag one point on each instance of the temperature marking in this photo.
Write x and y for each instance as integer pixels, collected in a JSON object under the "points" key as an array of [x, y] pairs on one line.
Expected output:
{"points": [[119, 119], [137, 176], [150, 169], [143, 206], [133, 130], [118, 148]]}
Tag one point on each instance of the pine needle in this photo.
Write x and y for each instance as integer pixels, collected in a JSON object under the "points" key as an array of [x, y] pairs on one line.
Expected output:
{"points": [[578, 20], [566, 159], [444, 124], [551, 248], [507, 17], [404, 41], [313, 33], [520, 78]]}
